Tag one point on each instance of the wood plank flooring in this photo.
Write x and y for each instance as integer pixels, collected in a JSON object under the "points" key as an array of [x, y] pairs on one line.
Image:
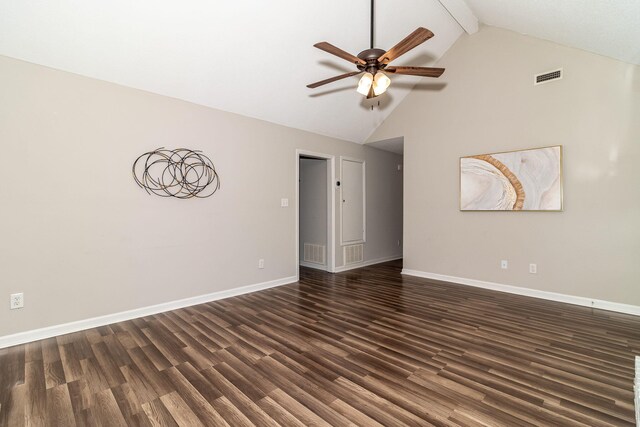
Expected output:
{"points": [[367, 347]]}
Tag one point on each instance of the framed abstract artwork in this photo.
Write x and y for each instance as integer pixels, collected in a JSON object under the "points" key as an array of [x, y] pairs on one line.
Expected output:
{"points": [[523, 180]]}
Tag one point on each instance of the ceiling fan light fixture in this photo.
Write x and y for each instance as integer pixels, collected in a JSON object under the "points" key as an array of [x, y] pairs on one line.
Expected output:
{"points": [[372, 61], [380, 83], [364, 85]]}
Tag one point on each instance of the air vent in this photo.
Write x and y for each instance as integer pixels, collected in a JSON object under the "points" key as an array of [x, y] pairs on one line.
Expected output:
{"points": [[315, 253], [353, 254], [547, 77]]}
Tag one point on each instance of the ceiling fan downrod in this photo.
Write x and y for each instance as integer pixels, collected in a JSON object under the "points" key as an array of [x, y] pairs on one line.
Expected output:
{"points": [[371, 43], [370, 56]]}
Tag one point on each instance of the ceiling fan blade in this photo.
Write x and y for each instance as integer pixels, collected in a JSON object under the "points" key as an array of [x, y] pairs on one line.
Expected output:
{"points": [[333, 79], [414, 39], [328, 47], [416, 71]]}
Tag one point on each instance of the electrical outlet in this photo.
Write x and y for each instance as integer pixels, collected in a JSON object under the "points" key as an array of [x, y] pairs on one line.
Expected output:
{"points": [[17, 301], [260, 263], [533, 268], [284, 203], [504, 264]]}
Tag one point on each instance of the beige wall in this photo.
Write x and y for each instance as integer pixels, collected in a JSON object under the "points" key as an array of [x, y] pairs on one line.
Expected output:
{"points": [[489, 104], [386, 209], [80, 239]]}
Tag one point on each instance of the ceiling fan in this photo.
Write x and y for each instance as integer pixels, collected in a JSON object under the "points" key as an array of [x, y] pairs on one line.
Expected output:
{"points": [[372, 62]]}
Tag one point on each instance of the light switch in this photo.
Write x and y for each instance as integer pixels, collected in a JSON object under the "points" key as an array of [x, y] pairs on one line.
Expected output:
{"points": [[284, 203]]}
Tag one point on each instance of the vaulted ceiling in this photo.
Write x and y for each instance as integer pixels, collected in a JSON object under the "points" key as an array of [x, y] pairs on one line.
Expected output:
{"points": [[254, 57], [606, 27]]}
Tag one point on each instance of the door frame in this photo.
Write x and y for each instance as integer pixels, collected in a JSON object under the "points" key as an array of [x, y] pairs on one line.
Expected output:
{"points": [[331, 211]]}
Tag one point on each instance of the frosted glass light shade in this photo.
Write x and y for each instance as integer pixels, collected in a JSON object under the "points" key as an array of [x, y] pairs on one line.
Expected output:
{"points": [[365, 84], [380, 83]]}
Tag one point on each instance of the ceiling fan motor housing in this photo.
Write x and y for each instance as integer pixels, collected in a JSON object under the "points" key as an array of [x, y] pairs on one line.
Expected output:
{"points": [[370, 56]]}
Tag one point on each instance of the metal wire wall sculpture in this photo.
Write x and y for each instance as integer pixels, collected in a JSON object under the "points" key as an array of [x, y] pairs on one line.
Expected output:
{"points": [[180, 173]]}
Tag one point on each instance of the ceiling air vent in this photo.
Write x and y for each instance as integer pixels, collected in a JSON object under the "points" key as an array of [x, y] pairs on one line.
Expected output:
{"points": [[547, 77]]}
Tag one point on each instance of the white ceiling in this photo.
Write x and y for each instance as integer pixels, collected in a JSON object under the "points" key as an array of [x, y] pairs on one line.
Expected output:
{"points": [[251, 57], [607, 27], [254, 57]]}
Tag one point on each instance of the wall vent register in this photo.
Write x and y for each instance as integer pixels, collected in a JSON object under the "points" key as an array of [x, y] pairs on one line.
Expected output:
{"points": [[547, 77], [315, 253], [353, 254]]}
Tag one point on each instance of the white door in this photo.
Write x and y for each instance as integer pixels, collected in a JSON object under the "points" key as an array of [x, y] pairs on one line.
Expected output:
{"points": [[352, 191]]}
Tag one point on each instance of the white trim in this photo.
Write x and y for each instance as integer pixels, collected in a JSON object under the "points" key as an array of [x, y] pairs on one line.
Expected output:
{"points": [[322, 267], [331, 210], [636, 387], [331, 215], [94, 322], [364, 202], [552, 296], [367, 263]]}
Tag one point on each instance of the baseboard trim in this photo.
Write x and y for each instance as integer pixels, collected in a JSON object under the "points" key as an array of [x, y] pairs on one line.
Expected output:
{"points": [[315, 266], [94, 322], [636, 388], [552, 296], [366, 263]]}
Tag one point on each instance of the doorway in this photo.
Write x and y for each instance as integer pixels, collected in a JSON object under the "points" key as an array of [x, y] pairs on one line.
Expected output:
{"points": [[393, 188], [315, 200]]}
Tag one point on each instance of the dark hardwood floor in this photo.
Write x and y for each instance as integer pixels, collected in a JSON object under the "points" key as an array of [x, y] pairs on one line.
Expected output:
{"points": [[366, 347]]}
